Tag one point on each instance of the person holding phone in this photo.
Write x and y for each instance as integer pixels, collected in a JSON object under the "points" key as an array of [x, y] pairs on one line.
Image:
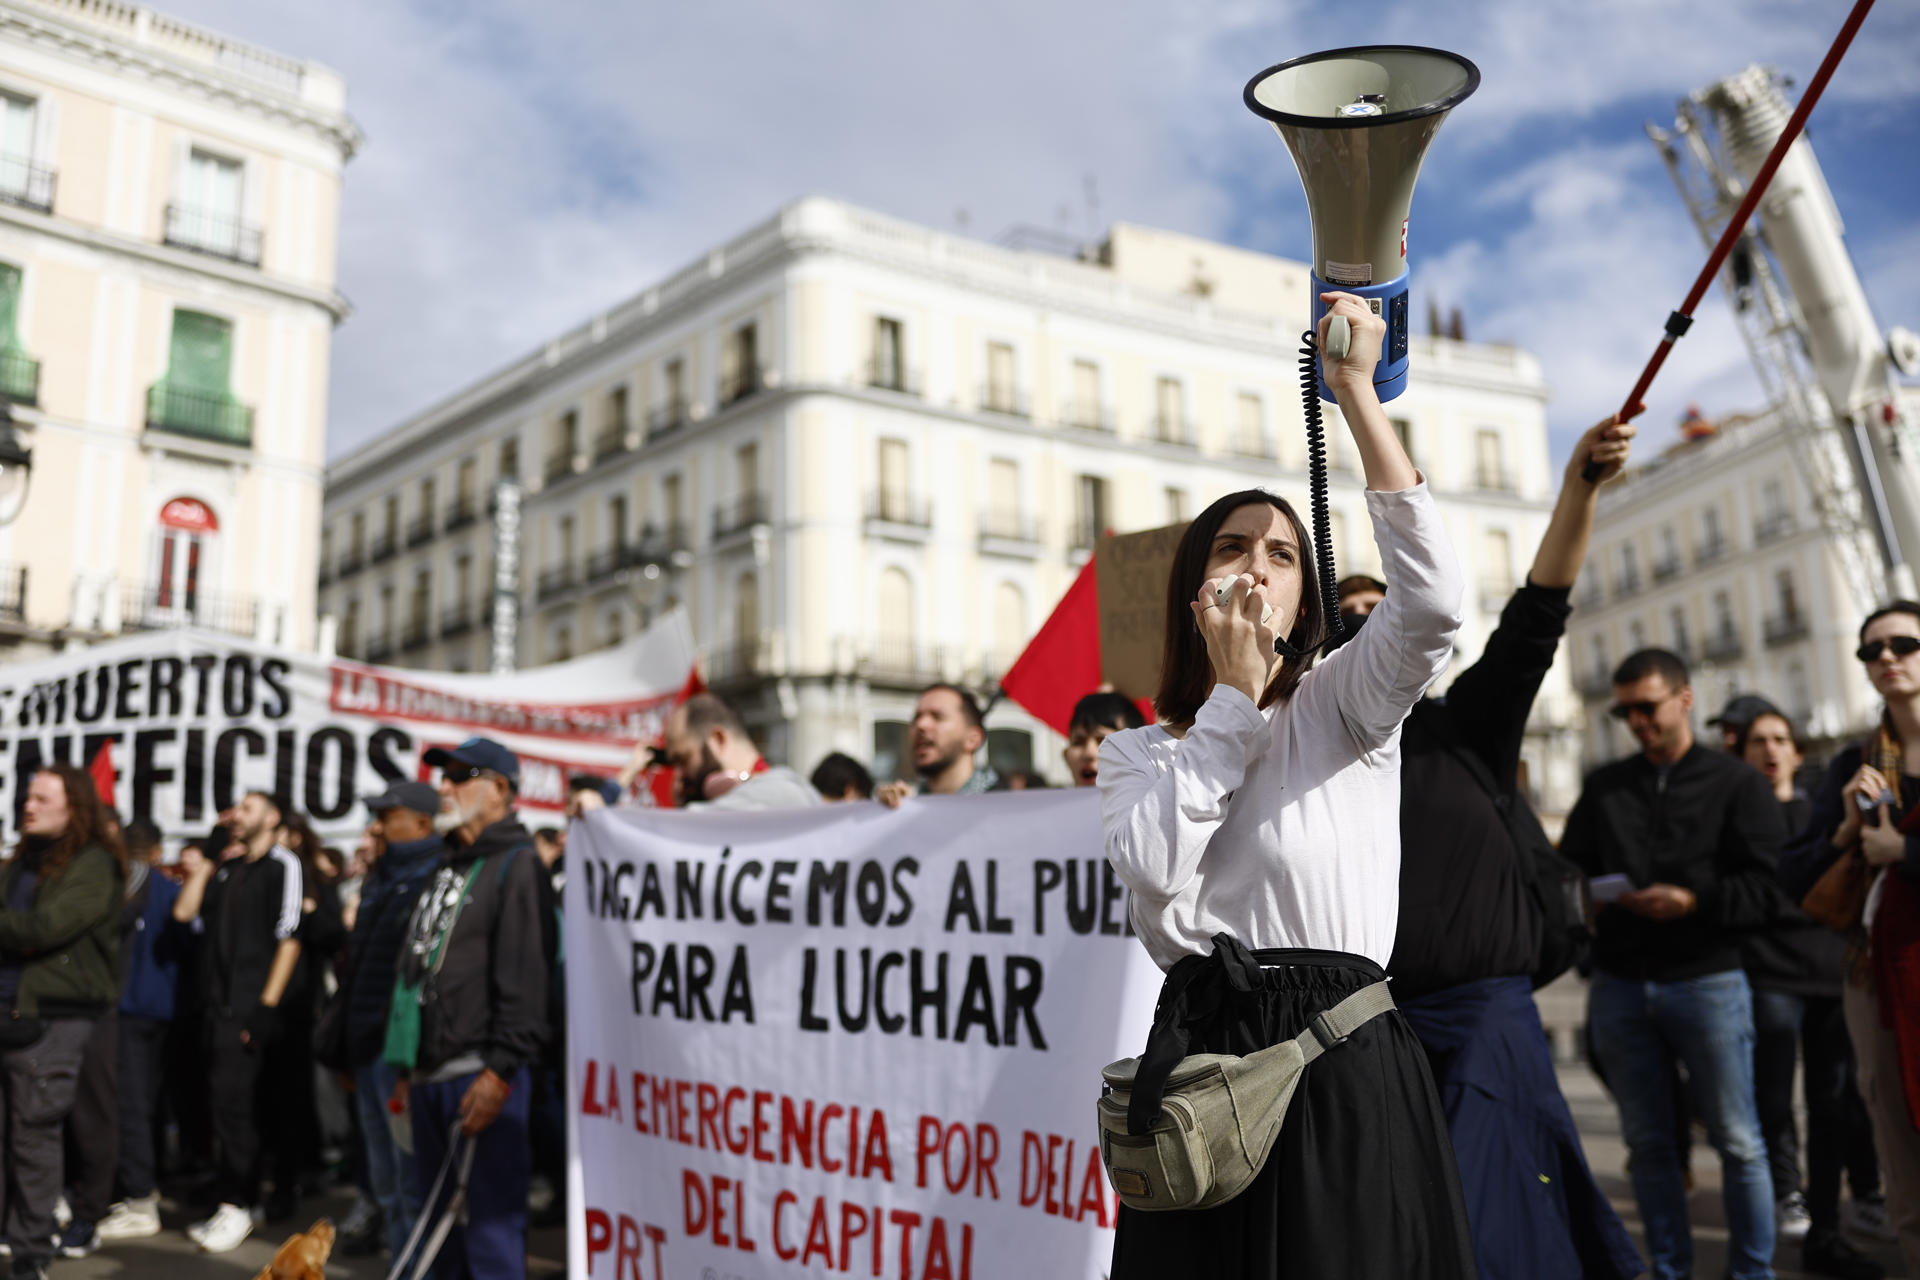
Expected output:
{"points": [[1867, 811], [1257, 826]]}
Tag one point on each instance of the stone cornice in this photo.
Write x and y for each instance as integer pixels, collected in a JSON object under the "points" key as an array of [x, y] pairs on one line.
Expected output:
{"points": [[209, 82]]}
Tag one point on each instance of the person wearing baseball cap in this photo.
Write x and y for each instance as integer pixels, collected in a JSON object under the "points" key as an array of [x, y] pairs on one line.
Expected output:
{"points": [[1740, 713], [475, 961], [402, 827]]}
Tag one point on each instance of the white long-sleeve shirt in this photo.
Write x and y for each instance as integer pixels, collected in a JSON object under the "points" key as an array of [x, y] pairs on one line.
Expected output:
{"points": [[1282, 827]]}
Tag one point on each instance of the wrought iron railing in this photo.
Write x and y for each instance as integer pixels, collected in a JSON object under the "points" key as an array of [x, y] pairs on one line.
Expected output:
{"points": [[218, 235], [893, 506], [206, 415], [152, 608], [735, 517], [19, 376], [26, 184]]}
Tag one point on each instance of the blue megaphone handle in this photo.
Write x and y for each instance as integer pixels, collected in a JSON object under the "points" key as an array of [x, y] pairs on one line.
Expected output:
{"points": [[1390, 302]]}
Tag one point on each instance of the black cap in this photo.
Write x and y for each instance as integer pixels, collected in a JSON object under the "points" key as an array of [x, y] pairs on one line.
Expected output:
{"points": [[481, 753], [417, 796], [609, 789], [1744, 710]]}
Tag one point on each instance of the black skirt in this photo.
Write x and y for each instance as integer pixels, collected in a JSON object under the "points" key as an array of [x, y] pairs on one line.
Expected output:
{"points": [[1361, 1183]]}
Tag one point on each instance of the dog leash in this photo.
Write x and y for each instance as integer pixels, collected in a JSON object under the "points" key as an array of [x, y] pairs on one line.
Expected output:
{"points": [[460, 1151]]}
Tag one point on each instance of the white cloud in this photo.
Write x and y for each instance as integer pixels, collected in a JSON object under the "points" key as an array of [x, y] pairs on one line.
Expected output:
{"points": [[528, 165]]}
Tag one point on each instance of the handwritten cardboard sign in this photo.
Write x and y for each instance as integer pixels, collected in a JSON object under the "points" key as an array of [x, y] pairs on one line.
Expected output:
{"points": [[1132, 572]]}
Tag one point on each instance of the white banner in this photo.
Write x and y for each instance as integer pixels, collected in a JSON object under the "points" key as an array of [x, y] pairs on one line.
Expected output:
{"points": [[192, 720], [846, 1041]]}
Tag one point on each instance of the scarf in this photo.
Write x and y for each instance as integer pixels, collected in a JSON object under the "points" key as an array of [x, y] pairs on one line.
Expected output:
{"points": [[1893, 946]]}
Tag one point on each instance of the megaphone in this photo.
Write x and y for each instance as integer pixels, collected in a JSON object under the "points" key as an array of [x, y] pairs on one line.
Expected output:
{"points": [[1358, 122]]}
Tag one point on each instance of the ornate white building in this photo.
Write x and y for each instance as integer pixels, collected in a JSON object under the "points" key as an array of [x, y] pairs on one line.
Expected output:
{"points": [[169, 200], [867, 455]]}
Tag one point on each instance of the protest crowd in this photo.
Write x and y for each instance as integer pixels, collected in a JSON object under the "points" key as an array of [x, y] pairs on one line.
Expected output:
{"points": [[266, 1014]]}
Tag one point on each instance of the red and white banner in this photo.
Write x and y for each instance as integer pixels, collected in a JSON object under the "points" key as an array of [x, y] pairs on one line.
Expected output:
{"points": [[191, 720], [845, 1041]]}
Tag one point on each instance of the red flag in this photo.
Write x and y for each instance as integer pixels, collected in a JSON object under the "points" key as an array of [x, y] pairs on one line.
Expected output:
{"points": [[1061, 664], [101, 770]]}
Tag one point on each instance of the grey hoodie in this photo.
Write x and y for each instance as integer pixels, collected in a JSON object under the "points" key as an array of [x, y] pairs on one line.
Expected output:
{"points": [[777, 787]]}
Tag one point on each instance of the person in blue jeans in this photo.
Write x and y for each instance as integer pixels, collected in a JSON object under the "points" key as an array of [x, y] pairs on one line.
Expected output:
{"points": [[1696, 834], [410, 850]]}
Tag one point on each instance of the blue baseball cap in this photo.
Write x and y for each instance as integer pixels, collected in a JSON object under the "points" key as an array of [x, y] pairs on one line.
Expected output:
{"points": [[417, 796], [480, 753]]}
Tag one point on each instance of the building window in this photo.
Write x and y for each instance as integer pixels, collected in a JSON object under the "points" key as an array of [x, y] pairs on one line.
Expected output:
{"points": [[671, 502], [349, 640], [1403, 431], [1490, 467], [1629, 568], [1636, 635], [673, 380], [889, 749], [1677, 626], [187, 527], [1723, 624], [462, 584], [420, 609], [1002, 389], [562, 644], [510, 458], [194, 398], [1009, 626], [897, 645], [740, 364], [566, 446], [21, 181], [206, 218], [746, 624], [19, 372], [1085, 409], [422, 527], [1004, 516], [357, 538], [894, 501], [617, 521], [1713, 543], [1089, 511], [1009, 751], [1177, 504], [1250, 427], [616, 629], [889, 368], [1170, 411], [1497, 548]]}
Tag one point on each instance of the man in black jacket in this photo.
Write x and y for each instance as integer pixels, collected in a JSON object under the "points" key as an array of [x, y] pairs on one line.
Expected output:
{"points": [[478, 950], [411, 851], [1690, 836], [1471, 924]]}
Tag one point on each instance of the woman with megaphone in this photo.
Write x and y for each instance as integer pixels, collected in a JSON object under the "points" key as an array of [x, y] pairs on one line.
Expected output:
{"points": [[1257, 825]]}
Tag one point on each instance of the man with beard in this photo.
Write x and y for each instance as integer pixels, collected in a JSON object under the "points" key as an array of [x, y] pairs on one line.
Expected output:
{"points": [[248, 908], [474, 964], [947, 733], [718, 766]]}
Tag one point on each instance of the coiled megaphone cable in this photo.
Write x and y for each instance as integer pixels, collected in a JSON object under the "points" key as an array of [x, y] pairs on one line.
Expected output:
{"points": [[1331, 632]]}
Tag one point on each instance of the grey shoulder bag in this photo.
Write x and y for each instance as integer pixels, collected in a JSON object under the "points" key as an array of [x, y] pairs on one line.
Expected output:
{"points": [[1219, 1114]]}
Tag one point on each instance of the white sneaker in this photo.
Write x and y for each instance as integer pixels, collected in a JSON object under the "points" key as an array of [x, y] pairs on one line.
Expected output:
{"points": [[62, 1213], [1791, 1219], [1867, 1216], [132, 1219], [223, 1232]]}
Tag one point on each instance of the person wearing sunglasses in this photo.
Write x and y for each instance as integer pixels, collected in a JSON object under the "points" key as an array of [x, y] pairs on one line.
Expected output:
{"points": [[1867, 813], [1696, 833]]}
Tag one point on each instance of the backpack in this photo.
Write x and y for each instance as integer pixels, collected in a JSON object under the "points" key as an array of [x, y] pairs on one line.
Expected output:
{"points": [[1557, 886]]}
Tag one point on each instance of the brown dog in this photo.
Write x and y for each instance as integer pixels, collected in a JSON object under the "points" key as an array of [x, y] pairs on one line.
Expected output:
{"points": [[304, 1257]]}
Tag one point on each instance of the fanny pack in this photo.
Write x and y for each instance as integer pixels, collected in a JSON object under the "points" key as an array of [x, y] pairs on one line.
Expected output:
{"points": [[1219, 1114]]}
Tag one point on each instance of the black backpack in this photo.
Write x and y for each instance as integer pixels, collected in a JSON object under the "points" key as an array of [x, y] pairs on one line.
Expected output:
{"points": [[1558, 887]]}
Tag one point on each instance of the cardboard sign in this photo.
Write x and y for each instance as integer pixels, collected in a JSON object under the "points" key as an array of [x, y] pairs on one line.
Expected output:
{"points": [[1132, 571]]}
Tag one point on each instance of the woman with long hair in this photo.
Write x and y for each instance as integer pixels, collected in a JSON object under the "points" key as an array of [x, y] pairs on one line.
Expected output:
{"points": [[60, 898], [1867, 813], [1257, 825]]}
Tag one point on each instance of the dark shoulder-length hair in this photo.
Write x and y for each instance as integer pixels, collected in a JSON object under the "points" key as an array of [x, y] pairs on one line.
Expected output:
{"points": [[86, 823], [1186, 675]]}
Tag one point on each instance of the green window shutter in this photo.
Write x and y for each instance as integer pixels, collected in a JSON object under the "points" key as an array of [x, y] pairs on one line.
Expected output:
{"points": [[9, 305], [202, 353]]}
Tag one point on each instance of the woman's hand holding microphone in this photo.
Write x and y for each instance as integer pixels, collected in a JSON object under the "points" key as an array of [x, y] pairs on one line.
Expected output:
{"points": [[1234, 620]]}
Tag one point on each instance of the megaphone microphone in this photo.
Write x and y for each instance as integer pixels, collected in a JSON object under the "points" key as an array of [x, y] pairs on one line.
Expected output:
{"points": [[1358, 122]]}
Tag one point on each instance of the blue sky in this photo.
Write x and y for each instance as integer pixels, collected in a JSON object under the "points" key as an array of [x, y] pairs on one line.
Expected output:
{"points": [[528, 164]]}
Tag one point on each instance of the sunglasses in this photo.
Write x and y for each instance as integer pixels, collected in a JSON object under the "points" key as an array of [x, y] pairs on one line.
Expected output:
{"points": [[1625, 710], [1902, 646], [458, 773]]}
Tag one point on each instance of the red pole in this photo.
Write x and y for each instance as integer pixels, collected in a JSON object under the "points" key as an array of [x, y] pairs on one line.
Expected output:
{"points": [[1679, 321]]}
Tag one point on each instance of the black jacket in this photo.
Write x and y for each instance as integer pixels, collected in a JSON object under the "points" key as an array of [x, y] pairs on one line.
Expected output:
{"points": [[250, 908], [1795, 953], [1466, 833], [489, 996], [379, 931], [1715, 829], [1811, 851]]}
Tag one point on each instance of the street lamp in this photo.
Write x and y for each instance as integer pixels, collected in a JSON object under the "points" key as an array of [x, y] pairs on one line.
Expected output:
{"points": [[16, 467]]}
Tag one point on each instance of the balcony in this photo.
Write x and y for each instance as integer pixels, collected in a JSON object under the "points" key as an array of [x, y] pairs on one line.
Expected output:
{"points": [[611, 441], [19, 376], [218, 235], [1004, 400], [1594, 685], [460, 514], [739, 386], [1089, 417], [737, 663], [900, 661], [1084, 533], [667, 419], [1259, 448], [1009, 533], [894, 507], [668, 545], [1628, 584], [561, 463], [1725, 646], [352, 561], [1773, 527], [26, 184], [1786, 628], [420, 529], [557, 581], [385, 547], [379, 647], [205, 415], [456, 620], [325, 576], [13, 593], [418, 634], [737, 517], [1667, 569], [156, 608], [1493, 480], [891, 375], [1174, 431], [1709, 551]]}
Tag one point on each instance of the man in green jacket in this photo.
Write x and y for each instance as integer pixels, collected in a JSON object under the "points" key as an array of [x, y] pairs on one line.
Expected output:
{"points": [[59, 912]]}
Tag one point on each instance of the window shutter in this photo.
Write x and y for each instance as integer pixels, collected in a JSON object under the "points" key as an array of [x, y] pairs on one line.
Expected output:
{"points": [[9, 306], [202, 353]]}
